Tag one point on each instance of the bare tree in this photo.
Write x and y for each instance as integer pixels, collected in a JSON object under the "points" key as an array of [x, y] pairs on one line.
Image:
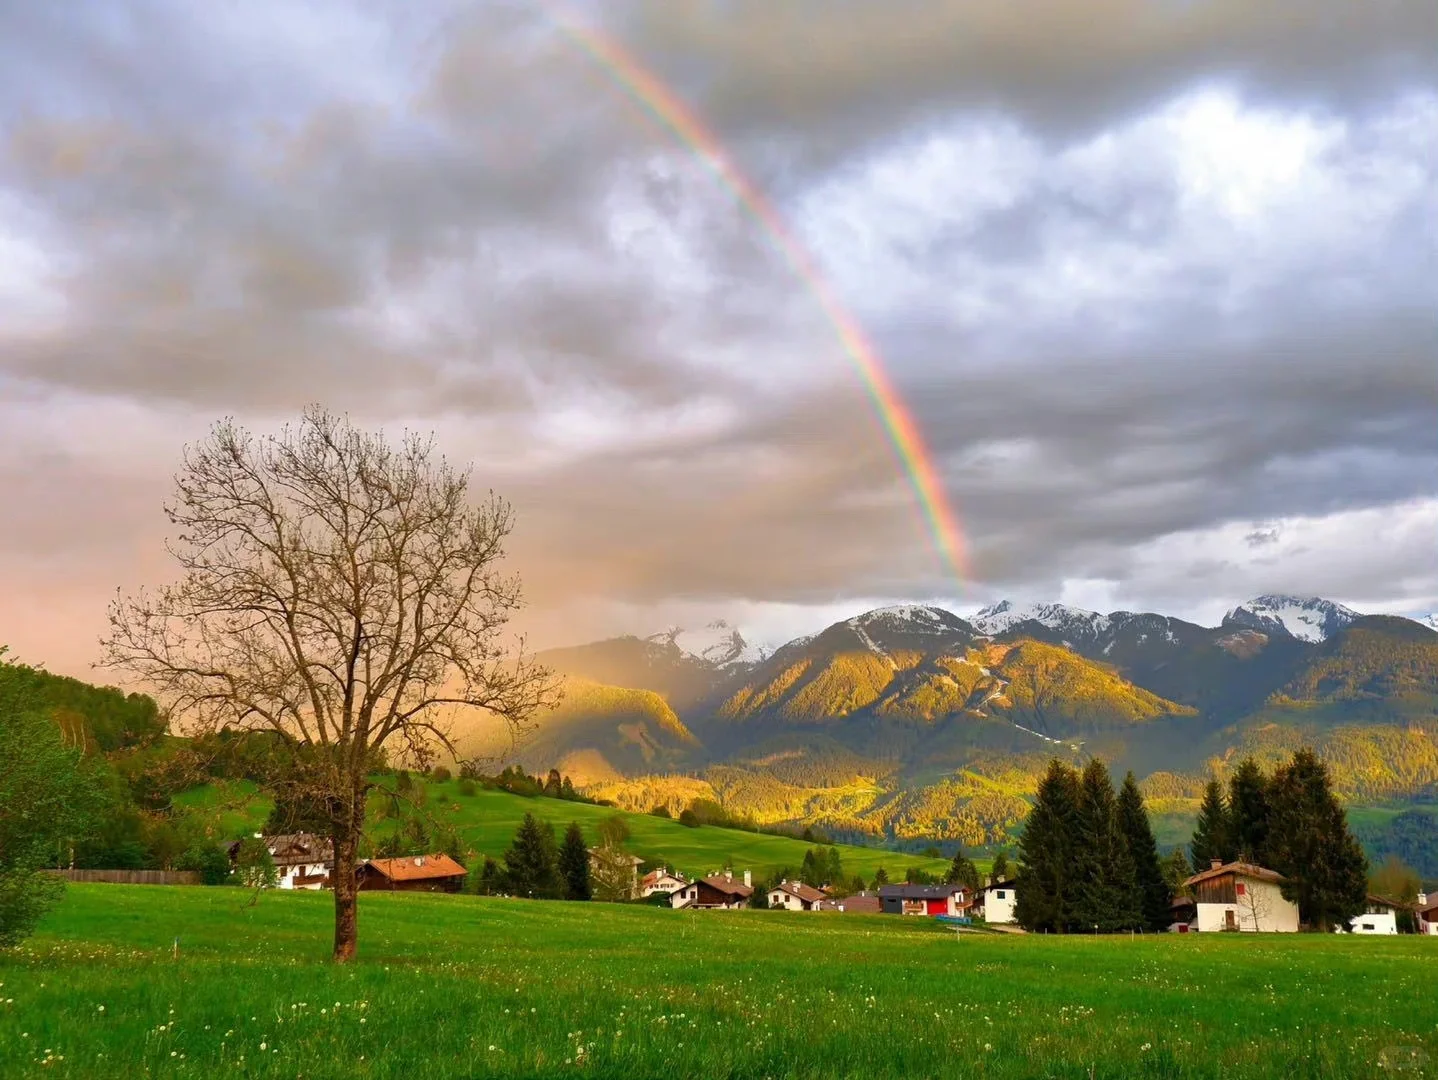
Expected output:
{"points": [[339, 594], [1254, 906]]}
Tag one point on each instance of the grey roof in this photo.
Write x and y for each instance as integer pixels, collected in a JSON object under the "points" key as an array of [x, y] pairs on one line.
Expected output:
{"points": [[918, 892]]}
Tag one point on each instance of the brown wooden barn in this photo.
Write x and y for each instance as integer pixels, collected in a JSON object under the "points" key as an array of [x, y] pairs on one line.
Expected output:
{"points": [[412, 873]]}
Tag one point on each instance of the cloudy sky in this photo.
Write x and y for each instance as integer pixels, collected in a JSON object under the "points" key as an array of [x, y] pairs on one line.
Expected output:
{"points": [[1156, 278]]}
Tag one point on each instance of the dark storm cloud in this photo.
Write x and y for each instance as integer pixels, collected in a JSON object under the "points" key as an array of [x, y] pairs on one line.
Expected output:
{"points": [[453, 216]]}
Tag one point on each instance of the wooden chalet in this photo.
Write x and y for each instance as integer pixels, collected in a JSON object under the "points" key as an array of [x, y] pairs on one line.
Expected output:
{"points": [[715, 891], [412, 873], [302, 860], [1241, 896]]}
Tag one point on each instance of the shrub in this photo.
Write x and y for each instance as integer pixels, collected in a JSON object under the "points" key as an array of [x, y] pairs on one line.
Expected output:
{"points": [[210, 860], [661, 811], [467, 788], [441, 775], [689, 819]]}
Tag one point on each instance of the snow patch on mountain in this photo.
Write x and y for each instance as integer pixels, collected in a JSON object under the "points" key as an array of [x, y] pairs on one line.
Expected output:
{"points": [[1430, 621], [1309, 619], [719, 643], [863, 635], [909, 618], [1005, 615]]}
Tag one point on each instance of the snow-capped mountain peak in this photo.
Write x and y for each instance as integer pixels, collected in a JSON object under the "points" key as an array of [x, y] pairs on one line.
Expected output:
{"points": [[1061, 618], [1430, 621], [1309, 619], [718, 643], [911, 618]]}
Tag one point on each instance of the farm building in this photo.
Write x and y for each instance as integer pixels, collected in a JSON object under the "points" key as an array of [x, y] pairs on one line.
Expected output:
{"points": [[661, 881], [302, 860], [795, 896], [999, 899], [715, 891], [412, 873], [861, 903], [1241, 896], [922, 899]]}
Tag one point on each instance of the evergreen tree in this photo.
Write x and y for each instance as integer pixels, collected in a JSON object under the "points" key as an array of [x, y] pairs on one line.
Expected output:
{"points": [[530, 861], [1154, 892], [1046, 884], [1248, 812], [491, 878], [833, 868], [881, 877], [1212, 836], [1176, 871], [1106, 894], [574, 864], [1000, 871], [809, 872], [962, 871], [1310, 844], [553, 784]]}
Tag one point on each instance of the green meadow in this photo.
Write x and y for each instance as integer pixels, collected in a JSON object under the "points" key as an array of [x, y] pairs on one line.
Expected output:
{"points": [[487, 821], [130, 980]]}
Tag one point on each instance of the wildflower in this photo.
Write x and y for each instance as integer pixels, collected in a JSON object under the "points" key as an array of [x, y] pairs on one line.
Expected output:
{"points": [[264, 1046]]}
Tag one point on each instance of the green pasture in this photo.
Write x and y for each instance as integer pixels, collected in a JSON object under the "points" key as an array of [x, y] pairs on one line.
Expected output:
{"points": [[132, 980]]}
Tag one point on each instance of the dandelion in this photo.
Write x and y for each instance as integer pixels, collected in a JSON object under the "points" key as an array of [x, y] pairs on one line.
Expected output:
{"points": [[264, 1046]]}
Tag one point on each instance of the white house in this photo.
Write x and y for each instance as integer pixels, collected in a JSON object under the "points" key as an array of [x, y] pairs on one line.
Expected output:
{"points": [[1241, 896], [795, 896], [1379, 917], [999, 901], [302, 860], [661, 881]]}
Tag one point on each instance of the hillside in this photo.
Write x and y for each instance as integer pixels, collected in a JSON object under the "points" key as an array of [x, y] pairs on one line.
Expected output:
{"points": [[487, 820]]}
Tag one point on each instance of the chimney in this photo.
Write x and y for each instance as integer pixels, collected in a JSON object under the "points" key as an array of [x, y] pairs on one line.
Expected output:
{"points": [[419, 860], [728, 875], [748, 881], [1214, 864]]}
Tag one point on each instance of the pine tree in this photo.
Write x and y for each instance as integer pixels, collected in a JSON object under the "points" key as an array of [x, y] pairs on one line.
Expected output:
{"points": [[962, 871], [1107, 894], [881, 878], [833, 868], [530, 861], [1001, 866], [1248, 812], [1212, 835], [1310, 844], [574, 864], [1176, 870], [808, 872], [1154, 892], [1045, 886]]}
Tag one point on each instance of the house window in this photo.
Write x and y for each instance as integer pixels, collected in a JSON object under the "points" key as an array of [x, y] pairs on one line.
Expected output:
{"points": [[1001, 895], [1368, 926], [1239, 889]]}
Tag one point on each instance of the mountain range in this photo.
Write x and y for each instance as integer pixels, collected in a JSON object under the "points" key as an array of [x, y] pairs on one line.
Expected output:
{"points": [[910, 721]]}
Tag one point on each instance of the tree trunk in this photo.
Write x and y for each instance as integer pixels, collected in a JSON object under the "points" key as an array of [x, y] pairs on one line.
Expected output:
{"points": [[346, 841]]}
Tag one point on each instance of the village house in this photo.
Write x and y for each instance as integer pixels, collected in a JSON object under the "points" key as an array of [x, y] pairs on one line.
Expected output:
{"points": [[1428, 913], [1379, 917], [302, 860], [1241, 896], [795, 896], [999, 901], [412, 873], [661, 881], [715, 891], [922, 899]]}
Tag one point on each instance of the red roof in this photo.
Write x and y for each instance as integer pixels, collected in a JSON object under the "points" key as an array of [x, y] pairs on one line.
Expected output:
{"points": [[417, 867], [732, 886]]}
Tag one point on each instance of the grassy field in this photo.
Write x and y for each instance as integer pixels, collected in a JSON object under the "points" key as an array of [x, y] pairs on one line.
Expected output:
{"points": [[487, 820], [463, 986]]}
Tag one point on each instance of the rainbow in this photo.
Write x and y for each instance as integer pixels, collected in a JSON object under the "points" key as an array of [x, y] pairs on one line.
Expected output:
{"points": [[894, 416]]}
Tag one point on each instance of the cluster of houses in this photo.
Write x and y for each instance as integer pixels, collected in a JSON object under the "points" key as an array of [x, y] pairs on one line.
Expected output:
{"points": [[1235, 896]]}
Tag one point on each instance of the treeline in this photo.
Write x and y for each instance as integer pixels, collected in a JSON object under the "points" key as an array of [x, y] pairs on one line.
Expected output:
{"points": [[1089, 862], [1289, 821], [539, 866]]}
